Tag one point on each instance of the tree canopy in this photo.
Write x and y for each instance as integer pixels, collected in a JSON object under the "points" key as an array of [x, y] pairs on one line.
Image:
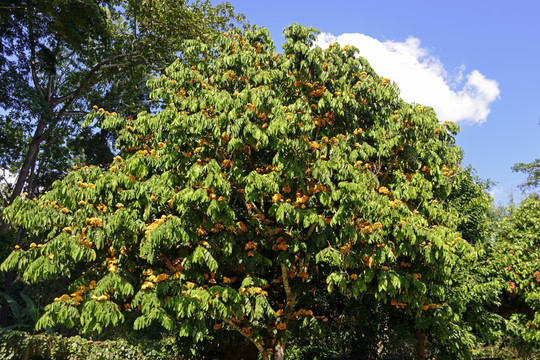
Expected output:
{"points": [[260, 180]]}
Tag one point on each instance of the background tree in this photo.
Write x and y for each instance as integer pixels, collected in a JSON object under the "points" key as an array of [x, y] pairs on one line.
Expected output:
{"points": [[59, 57], [516, 253], [263, 180], [533, 173]]}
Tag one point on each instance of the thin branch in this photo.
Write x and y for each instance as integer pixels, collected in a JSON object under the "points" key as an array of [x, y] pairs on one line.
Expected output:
{"points": [[35, 78], [256, 209], [74, 113], [4, 197], [257, 344], [310, 231], [84, 82]]}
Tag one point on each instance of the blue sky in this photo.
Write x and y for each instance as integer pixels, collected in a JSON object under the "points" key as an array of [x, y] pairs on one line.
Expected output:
{"points": [[475, 62]]}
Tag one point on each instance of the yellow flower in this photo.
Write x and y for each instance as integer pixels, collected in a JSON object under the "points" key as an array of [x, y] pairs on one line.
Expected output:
{"points": [[62, 298], [94, 222], [162, 277], [147, 285], [33, 245], [105, 296]]}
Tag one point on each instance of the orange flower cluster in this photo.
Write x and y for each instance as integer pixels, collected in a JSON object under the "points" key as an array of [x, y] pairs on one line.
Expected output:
{"points": [[147, 285], [368, 229], [252, 245], [85, 185], [153, 226], [94, 222], [303, 312], [101, 297], [77, 295], [429, 306], [83, 238], [328, 118], [243, 227], [447, 171], [280, 245], [301, 199], [368, 260], [397, 304], [64, 297], [345, 248], [112, 265]]}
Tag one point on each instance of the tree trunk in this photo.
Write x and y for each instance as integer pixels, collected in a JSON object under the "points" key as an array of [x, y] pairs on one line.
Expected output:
{"points": [[421, 344], [29, 162], [279, 351]]}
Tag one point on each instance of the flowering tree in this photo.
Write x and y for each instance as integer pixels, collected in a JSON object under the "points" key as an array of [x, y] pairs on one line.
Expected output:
{"points": [[263, 179], [516, 253]]}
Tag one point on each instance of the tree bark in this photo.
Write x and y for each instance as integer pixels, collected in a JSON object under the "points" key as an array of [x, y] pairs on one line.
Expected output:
{"points": [[29, 160], [279, 351], [421, 344]]}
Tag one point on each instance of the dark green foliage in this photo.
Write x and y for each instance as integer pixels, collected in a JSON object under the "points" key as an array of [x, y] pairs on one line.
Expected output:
{"points": [[533, 173]]}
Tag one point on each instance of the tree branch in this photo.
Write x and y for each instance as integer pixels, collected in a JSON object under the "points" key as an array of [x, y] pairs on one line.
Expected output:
{"points": [[291, 297], [257, 344], [68, 99], [31, 39], [74, 113]]}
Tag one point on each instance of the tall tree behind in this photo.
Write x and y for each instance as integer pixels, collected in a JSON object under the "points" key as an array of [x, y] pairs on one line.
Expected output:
{"points": [[59, 57]]}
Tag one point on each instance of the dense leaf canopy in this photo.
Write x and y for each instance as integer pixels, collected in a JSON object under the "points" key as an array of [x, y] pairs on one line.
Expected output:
{"points": [[260, 180]]}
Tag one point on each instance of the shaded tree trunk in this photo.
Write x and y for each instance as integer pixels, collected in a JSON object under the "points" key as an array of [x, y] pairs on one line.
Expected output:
{"points": [[277, 354], [421, 344], [279, 351], [27, 167]]}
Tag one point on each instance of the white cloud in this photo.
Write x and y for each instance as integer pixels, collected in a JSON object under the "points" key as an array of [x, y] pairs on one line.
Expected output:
{"points": [[423, 79]]}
